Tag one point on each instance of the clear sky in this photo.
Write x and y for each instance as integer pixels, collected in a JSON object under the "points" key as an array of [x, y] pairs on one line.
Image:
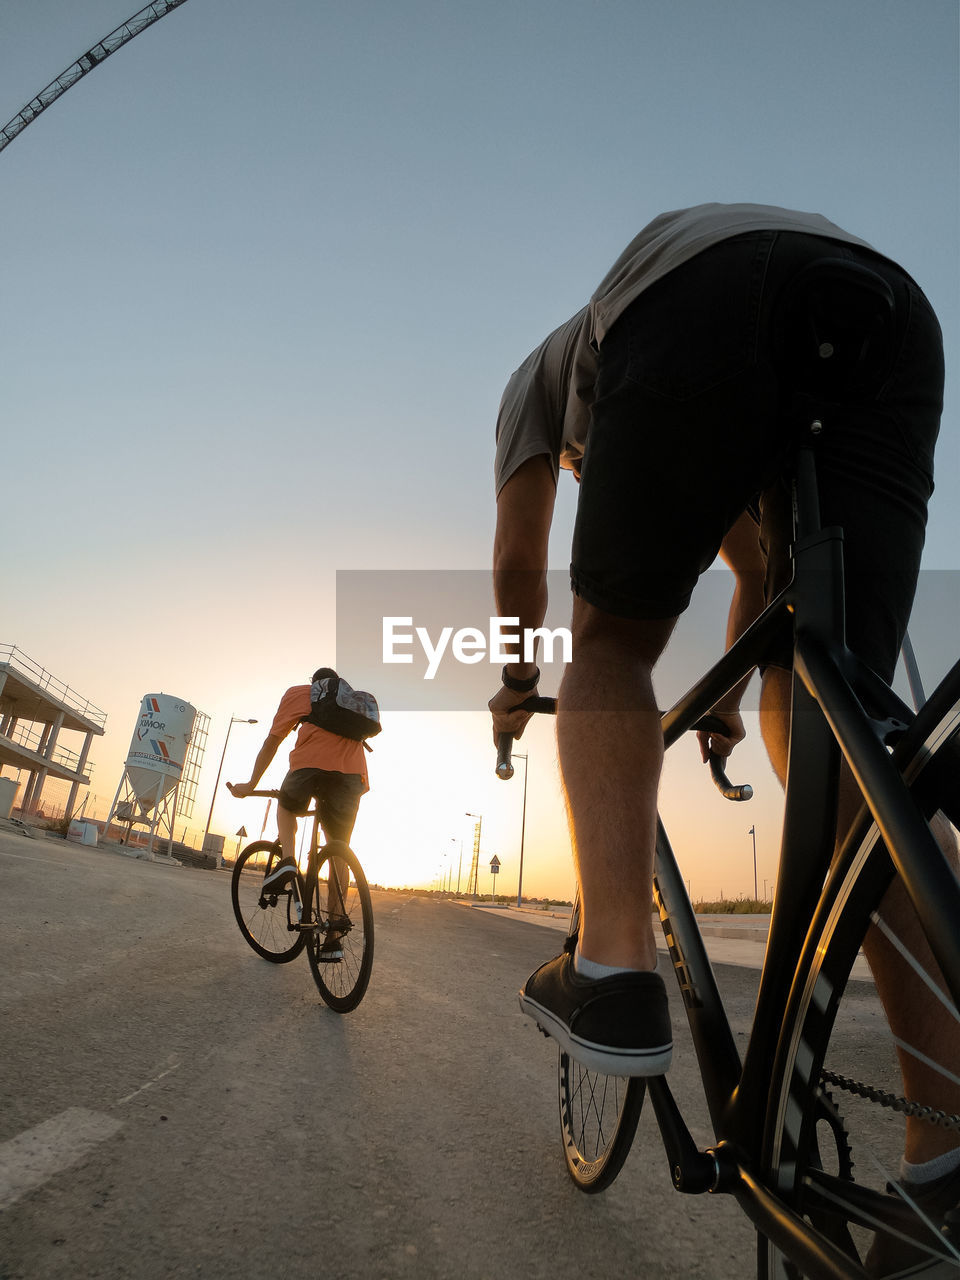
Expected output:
{"points": [[268, 269]]}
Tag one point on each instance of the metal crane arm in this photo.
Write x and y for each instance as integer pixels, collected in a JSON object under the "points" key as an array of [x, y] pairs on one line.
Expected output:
{"points": [[85, 63]]}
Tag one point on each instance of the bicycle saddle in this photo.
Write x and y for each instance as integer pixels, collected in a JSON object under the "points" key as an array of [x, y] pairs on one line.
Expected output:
{"points": [[835, 330]]}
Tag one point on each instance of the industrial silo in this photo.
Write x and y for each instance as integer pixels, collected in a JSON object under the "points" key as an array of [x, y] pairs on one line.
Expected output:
{"points": [[158, 748], [154, 768]]}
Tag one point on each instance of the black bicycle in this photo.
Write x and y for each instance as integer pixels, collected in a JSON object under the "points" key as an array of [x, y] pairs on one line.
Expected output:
{"points": [[327, 910], [809, 1148]]}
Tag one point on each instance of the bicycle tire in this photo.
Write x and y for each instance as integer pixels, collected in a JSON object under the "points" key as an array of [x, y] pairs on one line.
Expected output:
{"points": [[342, 983], [598, 1114], [270, 925], [598, 1120], [828, 1145]]}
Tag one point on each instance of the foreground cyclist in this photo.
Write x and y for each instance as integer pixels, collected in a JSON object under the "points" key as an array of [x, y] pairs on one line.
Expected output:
{"points": [[663, 396]]}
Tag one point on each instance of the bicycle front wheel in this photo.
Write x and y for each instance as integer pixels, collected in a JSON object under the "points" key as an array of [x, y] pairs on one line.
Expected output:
{"points": [[835, 1128], [598, 1120], [270, 923], [598, 1115], [340, 933]]}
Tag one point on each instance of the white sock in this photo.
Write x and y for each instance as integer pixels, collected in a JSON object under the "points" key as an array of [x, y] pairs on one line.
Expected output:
{"points": [[938, 1167], [592, 969]]}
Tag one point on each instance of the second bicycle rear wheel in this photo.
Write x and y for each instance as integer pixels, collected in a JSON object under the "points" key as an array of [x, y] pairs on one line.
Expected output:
{"points": [[340, 940]]}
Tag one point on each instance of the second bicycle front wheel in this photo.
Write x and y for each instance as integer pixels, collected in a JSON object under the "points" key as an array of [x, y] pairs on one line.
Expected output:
{"points": [[270, 923], [340, 937]]}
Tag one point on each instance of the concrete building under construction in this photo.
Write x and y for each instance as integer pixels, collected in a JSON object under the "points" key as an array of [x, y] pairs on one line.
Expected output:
{"points": [[36, 711]]}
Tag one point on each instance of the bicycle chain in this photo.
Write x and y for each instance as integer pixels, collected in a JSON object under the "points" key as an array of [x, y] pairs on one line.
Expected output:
{"points": [[891, 1100]]}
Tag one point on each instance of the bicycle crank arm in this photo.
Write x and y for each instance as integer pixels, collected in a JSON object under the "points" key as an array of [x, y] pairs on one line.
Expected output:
{"points": [[692, 1171]]}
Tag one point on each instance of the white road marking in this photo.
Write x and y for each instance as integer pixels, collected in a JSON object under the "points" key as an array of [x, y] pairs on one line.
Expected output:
{"points": [[43, 862], [150, 1083], [31, 1158]]}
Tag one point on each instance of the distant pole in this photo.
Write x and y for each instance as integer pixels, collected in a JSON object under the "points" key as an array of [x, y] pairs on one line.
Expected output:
{"points": [[475, 863], [913, 672], [753, 832], [517, 755], [266, 815], [206, 831]]}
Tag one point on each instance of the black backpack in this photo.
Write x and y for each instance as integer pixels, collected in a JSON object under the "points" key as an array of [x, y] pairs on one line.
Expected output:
{"points": [[339, 708]]}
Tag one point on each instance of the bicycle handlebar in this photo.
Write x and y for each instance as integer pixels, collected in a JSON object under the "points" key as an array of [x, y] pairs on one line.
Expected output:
{"points": [[548, 706], [706, 724], [729, 791], [266, 795]]}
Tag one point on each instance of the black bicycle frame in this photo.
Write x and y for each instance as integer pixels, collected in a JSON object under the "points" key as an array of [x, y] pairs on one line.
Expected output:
{"points": [[835, 700]]}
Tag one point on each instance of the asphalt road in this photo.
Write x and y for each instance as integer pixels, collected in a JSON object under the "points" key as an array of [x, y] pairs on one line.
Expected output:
{"points": [[174, 1106]]}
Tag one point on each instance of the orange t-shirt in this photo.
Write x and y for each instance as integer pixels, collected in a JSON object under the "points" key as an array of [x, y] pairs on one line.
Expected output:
{"points": [[315, 748]]}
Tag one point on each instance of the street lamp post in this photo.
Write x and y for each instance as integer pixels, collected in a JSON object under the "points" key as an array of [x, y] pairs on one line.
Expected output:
{"points": [[476, 849], [753, 832], [233, 720], [518, 755]]}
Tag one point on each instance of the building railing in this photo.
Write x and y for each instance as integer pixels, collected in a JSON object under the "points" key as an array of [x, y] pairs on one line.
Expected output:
{"points": [[32, 739], [18, 661]]}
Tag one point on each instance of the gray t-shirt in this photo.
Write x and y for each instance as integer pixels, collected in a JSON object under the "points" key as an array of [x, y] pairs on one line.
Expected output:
{"points": [[546, 404]]}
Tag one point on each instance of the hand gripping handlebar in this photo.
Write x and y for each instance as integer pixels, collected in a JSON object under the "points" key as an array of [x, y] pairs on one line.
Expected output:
{"points": [[707, 724]]}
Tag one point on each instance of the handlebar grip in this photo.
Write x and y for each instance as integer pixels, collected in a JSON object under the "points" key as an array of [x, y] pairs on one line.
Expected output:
{"points": [[504, 751], [547, 706], [710, 724], [727, 789]]}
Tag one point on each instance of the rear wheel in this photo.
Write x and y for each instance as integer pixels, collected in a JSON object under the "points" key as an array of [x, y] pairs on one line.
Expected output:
{"points": [[340, 938], [269, 923], [835, 1132]]}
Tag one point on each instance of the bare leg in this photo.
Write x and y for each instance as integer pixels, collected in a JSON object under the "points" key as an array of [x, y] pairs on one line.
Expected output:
{"points": [[913, 1012], [287, 832], [611, 752]]}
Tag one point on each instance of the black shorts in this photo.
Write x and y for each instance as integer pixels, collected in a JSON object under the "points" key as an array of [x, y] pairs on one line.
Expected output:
{"points": [[337, 795], [689, 429]]}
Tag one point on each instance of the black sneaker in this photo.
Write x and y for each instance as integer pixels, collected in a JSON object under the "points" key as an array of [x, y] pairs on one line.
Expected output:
{"points": [[619, 1026], [281, 877], [892, 1258], [331, 949]]}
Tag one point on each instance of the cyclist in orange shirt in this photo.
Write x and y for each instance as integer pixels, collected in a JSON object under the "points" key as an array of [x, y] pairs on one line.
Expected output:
{"points": [[323, 766]]}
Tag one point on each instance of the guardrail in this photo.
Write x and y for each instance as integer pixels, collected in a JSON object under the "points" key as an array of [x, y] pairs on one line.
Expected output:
{"points": [[44, 680]]}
